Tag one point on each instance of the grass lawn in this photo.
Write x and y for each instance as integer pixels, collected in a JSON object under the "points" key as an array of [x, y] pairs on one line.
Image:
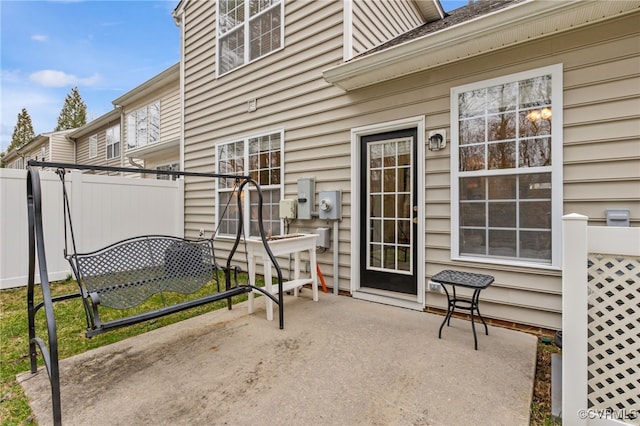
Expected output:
{"points": [[14, 348]]}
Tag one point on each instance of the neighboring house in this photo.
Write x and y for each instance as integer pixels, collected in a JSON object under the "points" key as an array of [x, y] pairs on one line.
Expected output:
{"points": [[51, 146], [538, 103], [142, 131]]}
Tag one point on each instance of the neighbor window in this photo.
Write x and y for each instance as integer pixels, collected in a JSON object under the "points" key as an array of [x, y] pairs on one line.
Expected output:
{"points": [[247, 30], [93, 146], [143, 126], [113, 142], [168, 167], [259, 157], [506, 168]]}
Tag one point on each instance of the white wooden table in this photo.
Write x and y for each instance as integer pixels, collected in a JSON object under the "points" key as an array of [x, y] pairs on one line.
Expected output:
{"points": [[294, 244]]}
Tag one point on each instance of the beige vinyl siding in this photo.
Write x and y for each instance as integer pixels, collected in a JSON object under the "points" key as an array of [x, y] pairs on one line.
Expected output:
{"points": [[375, 22], [82, 148], [59, 149], [317, 118]]}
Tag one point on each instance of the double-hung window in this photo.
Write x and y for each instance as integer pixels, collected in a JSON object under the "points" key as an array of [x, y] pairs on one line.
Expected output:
{"points": [[259, 157], [248, 30], [113, 142], [506, 169], [143, 126]]}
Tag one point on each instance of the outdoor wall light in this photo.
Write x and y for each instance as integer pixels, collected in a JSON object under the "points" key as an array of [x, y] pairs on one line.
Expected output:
{"points": [[437, 140]]}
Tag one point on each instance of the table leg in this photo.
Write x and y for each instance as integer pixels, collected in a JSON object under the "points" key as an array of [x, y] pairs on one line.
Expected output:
{"points": [[252, 281], [473, 323], [268, 285], [477, 305], [314, 272], [447, 317]]}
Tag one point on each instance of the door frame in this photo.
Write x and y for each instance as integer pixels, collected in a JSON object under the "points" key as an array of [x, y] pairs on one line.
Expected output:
{"points": [[381, 296]]}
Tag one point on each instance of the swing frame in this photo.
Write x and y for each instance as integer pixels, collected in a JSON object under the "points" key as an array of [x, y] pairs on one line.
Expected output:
{"points": [[203, 249]]}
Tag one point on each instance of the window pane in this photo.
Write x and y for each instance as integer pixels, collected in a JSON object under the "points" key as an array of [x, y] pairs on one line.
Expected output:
{"points": [[501, 127], [535, 91], [502, 215], [264, 33], [472, 131], [535, 245], [502, 155], [389, 231], [471, 104], [389, 205], [376, 230], [472, 241], [389, 180], [502, 187], [535, 122], [375, 155], [141, 126], [472, 188], [375, 255], [376, 206], [404, 232], [535, 214], [535, 186], [471, 158], [375, 182], [231, 50], [472, 214], [231, 14], [154, 122], [502, 97], [534, 153], [502, 243], [404, 205], [389, 257]]}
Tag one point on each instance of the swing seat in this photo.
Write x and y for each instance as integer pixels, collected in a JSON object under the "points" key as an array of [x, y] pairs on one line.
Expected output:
{"points": [[125, 274]]}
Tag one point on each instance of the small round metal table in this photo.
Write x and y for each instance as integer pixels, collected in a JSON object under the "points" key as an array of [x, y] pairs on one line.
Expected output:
{"points": [[477, 282]]}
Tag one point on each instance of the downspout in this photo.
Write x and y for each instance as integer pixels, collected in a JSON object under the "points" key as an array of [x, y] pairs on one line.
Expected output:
{"points": [[75, 148], [178, 20]]}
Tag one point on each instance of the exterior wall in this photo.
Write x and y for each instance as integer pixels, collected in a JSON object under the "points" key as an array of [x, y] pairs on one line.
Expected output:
{"points": [[601, 76], [60, 149], [82, 147], [375, 22], [169, 97]]}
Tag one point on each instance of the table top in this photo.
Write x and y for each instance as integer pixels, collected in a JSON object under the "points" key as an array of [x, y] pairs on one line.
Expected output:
{"points": [[464, 279]]}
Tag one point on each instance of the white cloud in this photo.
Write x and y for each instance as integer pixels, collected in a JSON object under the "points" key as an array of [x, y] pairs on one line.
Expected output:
{"points": [[40, 37], [55, 78]]}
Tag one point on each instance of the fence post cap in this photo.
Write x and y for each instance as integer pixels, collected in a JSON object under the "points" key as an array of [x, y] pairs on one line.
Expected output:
{"points": [[574, 216]]}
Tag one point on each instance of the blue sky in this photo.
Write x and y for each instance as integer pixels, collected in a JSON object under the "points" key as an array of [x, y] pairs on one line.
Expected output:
{"points": [[105, 48]]}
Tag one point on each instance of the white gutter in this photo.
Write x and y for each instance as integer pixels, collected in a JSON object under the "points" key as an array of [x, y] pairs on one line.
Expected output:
{"points": [[506, 27]]}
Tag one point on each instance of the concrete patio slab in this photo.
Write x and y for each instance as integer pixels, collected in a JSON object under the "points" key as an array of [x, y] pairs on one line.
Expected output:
{"points": [[339, 361]]}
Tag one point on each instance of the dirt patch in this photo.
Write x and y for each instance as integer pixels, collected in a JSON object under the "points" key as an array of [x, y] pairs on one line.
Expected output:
{"points": [[541, 402]]}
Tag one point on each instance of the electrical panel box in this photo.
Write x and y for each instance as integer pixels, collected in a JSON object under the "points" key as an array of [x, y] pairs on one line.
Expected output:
{"points": [[324, 237], [287, 209], [306, 197], [330, 205]]}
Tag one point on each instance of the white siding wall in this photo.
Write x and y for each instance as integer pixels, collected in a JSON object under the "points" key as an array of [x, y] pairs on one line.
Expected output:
{"points": [[318, 117]]}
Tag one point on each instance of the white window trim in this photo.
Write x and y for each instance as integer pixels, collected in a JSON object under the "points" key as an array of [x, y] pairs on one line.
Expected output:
{"points": [[556, 72], [246, 207], [246, 37]]}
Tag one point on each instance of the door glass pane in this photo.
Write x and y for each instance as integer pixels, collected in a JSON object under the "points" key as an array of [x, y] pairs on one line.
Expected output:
{"points": [[390, 225]]}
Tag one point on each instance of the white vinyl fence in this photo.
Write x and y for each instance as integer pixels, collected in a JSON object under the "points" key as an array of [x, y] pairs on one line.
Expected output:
{"points": [[600, 323], [104, 209]]}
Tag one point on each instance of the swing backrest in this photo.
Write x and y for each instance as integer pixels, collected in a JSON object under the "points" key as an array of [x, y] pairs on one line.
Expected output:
{"points": [[128, 272]]}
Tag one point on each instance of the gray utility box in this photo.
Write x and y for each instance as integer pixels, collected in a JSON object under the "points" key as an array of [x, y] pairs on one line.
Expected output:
{"points": [[329, 207], [617, 217]]}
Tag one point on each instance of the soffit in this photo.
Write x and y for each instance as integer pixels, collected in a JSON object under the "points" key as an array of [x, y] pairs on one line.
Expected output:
{"points": [[513, 25], [155, 149], [430, 9]]}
